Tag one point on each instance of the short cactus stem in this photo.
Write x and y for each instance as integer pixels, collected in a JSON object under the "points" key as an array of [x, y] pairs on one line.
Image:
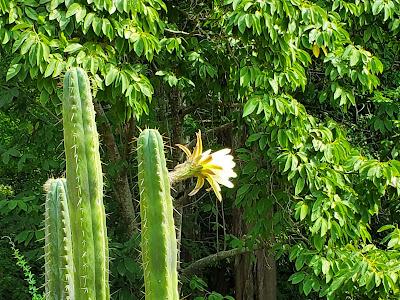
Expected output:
{"points": [[58, 255], [85, 189], [159, 246]]}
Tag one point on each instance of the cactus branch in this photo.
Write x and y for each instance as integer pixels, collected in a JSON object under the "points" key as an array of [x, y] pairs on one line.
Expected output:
{"points": [[159, 247]]}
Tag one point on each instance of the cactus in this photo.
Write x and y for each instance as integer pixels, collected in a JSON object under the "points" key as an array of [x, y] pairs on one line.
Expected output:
{"points": [[85, 190], [159, 247], [58, 255]]}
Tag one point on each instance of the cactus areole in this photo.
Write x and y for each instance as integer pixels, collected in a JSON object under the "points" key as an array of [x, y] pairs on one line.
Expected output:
{"points": [[159, 249], [85, 189]]}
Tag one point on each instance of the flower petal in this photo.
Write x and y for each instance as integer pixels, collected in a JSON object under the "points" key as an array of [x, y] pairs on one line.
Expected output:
{"points": [[222, 152], [199, 185], [224, 180], [198, 149], [185, 149], [215, 186]]}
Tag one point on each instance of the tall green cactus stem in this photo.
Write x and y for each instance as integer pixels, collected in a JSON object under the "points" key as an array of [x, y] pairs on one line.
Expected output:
{"points": [[159, 252], [85, 189], [58, 255]]}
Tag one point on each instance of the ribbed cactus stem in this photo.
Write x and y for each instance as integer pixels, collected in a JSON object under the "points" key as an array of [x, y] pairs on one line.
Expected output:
{"points": [[85, 189], [159, 247], [58, 255]]}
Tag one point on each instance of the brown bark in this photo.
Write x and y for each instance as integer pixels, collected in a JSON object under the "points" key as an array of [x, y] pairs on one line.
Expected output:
{"points": [[120, 183], [212, 259], [255, 274]]}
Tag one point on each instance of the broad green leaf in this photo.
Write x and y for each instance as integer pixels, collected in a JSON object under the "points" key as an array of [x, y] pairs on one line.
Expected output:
{"points": [[303, 211], [354, 57], [386, 227], [299, 186], [27, 44], [296, 277], [71, 48], [13, 70], [307, 285], [111, 75], [249, 107], [138, 46], [73, 9]]}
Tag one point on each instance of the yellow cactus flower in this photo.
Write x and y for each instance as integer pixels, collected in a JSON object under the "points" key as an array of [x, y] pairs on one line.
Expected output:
{"points": [[216, 168]]}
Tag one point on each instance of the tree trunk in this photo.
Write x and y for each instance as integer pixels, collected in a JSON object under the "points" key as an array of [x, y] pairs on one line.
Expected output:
{"points": [[120, 183], [255, 274]]}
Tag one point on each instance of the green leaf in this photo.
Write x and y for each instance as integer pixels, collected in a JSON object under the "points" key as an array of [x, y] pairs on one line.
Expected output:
{"points": [[131, 265], [50, 69], [20, 41], [336, 283], [280, 106], [71, 48], [73, 9], [370, 281], [324, 227], [274, 84], [31, 13], [242, 191], [12, 204], [325, 266], [299, 185], [245, 76], [296, 277], [97, 25], [299, 262], [386, 227], [145, 88], [307, 285], [88, 21], [303, 211], [27, 45], [242, 23], [249, 107], [13, 70], [138, 46], [288, 163], [44, 97], [354, 57], [107, 29], [111, 75]]}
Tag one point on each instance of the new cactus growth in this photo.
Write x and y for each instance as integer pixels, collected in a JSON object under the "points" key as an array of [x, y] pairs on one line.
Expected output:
{"points": [[159, 247], [85, 189], [58, 255]]}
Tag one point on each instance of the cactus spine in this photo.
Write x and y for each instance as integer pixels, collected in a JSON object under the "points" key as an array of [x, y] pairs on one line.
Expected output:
{"points": [[85, 189], [159, 248], [58, 255]]}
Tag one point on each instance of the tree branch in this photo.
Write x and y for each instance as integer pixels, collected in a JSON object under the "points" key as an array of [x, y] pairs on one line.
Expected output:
{"points": [[120, 184], [196, 266]]}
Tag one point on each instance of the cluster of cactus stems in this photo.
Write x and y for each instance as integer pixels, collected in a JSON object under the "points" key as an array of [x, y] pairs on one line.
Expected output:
{"points": [[76, 249], [77, 267]]}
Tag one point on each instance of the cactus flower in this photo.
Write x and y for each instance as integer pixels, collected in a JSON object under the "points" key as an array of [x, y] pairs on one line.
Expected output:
{"points": [[216, 168]]}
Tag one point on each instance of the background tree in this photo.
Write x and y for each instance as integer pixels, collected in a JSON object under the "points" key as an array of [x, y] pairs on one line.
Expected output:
{"points": [[292, 86]]}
